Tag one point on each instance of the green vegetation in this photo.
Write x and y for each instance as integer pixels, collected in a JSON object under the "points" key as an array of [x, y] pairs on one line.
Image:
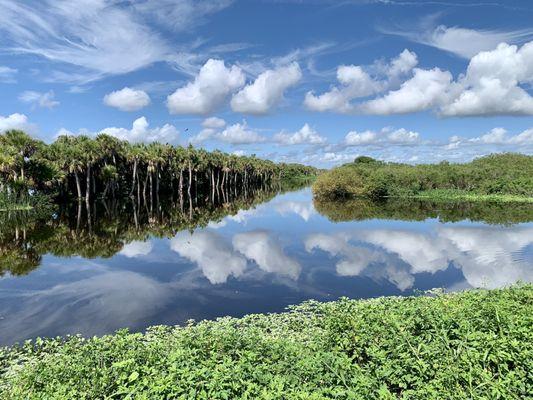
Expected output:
{"points": [[106, 167], [472, 345], [419, 209], [497, 177]]}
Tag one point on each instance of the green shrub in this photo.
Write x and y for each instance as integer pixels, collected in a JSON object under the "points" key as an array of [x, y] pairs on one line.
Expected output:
{"points": [[471, 345], [498, 174]]}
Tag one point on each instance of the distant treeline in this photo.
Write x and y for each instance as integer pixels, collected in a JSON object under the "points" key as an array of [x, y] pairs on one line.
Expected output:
{"points": [[106, 167], [507, 174]]}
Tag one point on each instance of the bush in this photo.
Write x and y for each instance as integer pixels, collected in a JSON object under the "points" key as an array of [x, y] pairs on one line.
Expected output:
{"points": [[472, 345], [501, 174]]}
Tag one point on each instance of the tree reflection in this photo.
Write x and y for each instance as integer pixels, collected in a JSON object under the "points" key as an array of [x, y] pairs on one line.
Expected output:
{"points": [[419, 210], [102, 229]]}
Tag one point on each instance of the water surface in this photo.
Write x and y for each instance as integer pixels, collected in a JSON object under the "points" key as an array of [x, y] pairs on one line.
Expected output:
{"points": [[66, 277]]}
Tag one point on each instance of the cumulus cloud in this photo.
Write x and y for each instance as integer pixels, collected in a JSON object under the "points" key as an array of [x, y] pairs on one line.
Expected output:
{"points": [[267, 90], [496, 136], [213, 123], [213, 255], [137, 248], [386, 136], [7, 74], [267, 252], [426, 89], [127, 99], [39, 99], [239, 133], [16, 121], [211, 86], [356, 82], [139, 132], [492, 85], [306, 135]]}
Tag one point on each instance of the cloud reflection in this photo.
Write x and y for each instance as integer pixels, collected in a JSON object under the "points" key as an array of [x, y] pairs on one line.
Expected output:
{"points": [[489, 257], [267, 252]]}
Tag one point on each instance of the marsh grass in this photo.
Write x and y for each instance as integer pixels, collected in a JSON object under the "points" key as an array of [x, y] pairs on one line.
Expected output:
{"points": [[471, 345]]}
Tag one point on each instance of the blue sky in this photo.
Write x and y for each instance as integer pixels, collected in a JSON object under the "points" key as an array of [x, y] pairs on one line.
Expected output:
{"points": [[318, 82]]}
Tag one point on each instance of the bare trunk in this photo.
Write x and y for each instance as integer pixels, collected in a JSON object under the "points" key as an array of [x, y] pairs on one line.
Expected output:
{"points": [[134, 177], [88, 186], [78, 185]]}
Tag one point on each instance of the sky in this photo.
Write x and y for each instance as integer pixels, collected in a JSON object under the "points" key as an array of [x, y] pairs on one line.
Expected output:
{"points": [[315, 82]]}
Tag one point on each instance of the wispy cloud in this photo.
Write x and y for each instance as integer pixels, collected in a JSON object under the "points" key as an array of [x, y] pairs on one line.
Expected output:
{"points": [[39, 99]]}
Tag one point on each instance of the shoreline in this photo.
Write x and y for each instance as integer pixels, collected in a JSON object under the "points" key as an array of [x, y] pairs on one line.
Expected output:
{"points": [[463, 344]]}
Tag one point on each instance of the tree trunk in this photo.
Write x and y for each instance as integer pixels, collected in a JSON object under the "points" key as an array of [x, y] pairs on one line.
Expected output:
{"points": [[190, 181], [88, 184], [78, 186], [134, 177]]}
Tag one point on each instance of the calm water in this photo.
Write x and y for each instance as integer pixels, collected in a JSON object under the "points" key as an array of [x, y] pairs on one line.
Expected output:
{"points": [[258, 259]]}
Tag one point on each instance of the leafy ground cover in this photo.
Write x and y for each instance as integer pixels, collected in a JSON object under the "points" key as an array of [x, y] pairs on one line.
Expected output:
{"points": [[471, 345]]}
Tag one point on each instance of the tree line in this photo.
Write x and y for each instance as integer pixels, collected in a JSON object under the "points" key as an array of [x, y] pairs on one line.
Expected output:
{"points": [[505, 174], [83, 167]]}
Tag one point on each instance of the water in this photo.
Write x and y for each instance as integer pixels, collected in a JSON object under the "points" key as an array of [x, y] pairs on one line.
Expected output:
{"points": [[68, 276]]}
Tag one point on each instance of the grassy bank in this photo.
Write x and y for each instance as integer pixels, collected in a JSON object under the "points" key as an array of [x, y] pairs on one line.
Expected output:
{"points": [[470, 345], [498, 177], [451, 195]]}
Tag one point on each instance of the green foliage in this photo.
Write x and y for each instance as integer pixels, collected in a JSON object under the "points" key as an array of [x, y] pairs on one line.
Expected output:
{"points": [[85, 167], [472, 345], [488, 178]]}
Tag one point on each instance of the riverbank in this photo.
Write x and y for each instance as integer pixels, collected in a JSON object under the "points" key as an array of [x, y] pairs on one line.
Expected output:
{"points": [[458, 195], [497, 178], [473, 344]]}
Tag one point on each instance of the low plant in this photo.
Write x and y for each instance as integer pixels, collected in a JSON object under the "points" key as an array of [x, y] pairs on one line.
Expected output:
{"points": [[475, 344]]}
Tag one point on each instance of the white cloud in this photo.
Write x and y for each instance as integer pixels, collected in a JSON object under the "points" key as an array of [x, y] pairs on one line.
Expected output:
{"points": [[137, 248], [496, 136], [140, 132], [211, 253], [426, 89], [210, 88], [491, 84], [39, 99], [386, 136], [213, 123], [266, 252], [127, 99], [16, 121], [306, 135], [182, 14], [463, 42], [267, 90], [98, 37], [7, 74], [239, 134], [356, 82]]}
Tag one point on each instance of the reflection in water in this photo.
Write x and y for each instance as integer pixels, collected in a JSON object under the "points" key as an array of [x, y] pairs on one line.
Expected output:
{"points": [[210, 251], [267, 252], [127, 266], [420, 210]]}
